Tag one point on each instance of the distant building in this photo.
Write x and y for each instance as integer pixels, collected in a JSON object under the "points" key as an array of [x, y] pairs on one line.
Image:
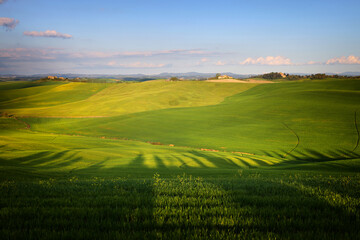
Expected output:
{"points": [[282, 75], [55, 78], [225, 77]]}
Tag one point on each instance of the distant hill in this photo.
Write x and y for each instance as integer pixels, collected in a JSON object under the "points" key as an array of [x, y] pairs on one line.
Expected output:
{"points": [[144, 77], [350, 74]]}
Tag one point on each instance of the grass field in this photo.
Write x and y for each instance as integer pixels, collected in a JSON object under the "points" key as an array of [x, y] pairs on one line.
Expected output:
{"points": [[181, 160]]}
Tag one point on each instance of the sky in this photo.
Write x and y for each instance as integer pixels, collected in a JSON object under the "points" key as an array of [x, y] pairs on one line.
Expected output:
{"points": [[150, 37]]}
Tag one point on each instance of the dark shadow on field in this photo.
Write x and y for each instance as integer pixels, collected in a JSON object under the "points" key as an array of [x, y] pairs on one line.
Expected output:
{"points": [[221, 161], [285, 209], [195, 159], [94, 208], [260, 162], [159, 162], [232, 163], [307, 155], [213, 159], [93, 168], [250, 207], [183, 163], [218, 161], [45, 160], [138, 161], [41, 159], [274, 154], [244, 162]]}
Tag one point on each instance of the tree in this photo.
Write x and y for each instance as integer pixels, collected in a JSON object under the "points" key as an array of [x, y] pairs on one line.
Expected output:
{"points": [[272, 75], [218, 75], [318, 76], [174, 79]]}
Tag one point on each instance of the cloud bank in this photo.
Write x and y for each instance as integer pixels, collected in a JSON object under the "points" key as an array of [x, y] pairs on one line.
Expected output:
{"points": [[29, 53], [136, 65], [43, 53], [138, 53], [344, 60], [8, 23], [47, 33], [269, 60]]}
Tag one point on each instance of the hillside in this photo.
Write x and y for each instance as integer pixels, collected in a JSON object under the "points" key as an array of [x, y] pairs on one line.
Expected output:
{"points": [[297, 120], [96, 99], [164, 160]]}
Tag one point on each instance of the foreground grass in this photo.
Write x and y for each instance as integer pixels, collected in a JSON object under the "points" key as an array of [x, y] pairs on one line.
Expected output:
{"points": [[251, 205], [84, 178], [60, 186]]}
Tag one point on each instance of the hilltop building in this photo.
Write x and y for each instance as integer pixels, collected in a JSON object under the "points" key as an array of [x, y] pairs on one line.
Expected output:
{"points": [[225, 77], [56, 78], [282, 75]]}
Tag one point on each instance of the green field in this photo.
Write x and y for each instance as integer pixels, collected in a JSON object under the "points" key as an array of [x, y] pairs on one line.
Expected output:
{"points": [[182, 160]]}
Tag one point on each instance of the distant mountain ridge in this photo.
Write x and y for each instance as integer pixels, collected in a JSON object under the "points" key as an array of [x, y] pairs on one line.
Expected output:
{"points": [[145, 77]]}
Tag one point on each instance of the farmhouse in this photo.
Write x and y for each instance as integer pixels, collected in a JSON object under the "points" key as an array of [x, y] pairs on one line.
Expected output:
{"points": [[225, 77], [282, 75], [55, 78]]}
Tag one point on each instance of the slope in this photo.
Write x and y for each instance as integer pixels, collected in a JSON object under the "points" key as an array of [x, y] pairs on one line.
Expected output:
{"points": [[315, 117], [92, 99]]}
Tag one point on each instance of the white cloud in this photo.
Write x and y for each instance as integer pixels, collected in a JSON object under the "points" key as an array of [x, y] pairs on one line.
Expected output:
{"points": [[279, 60], [111, 63], [51, 53], [29, 53], [48, 33], [204, 60], [137, 53], [313, 63], [136, 65], [344, 60], [219, 63], [8, 23]]}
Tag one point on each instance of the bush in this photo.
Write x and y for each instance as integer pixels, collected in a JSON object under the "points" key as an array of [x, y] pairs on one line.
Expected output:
{"points": [[174, 79], [272, 75], [318, 76]]}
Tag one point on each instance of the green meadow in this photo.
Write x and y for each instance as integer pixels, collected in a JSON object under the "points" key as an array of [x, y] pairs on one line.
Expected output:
{"points": [[182, 160]]}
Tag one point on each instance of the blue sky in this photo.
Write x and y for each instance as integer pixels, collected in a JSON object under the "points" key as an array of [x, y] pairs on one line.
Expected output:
{"points": [[122, 37]]}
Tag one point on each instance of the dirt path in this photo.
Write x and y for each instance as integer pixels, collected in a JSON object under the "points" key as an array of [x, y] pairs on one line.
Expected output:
{"points": [[297, 143], [27, 126], [358, 134]]}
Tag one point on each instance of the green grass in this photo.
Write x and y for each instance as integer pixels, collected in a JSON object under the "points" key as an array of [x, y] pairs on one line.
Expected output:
{"points": [[44, 95], [264, 120], [247, 206], [43, 154], [97, 99], [287, 165]]}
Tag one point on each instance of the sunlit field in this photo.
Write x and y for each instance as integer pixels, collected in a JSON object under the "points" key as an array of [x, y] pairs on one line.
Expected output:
{"points": [[180, 160]]}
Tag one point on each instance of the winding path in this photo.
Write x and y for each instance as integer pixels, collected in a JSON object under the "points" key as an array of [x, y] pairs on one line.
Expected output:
{"points": [[26, 124], [297, 143], [358, 134]]}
